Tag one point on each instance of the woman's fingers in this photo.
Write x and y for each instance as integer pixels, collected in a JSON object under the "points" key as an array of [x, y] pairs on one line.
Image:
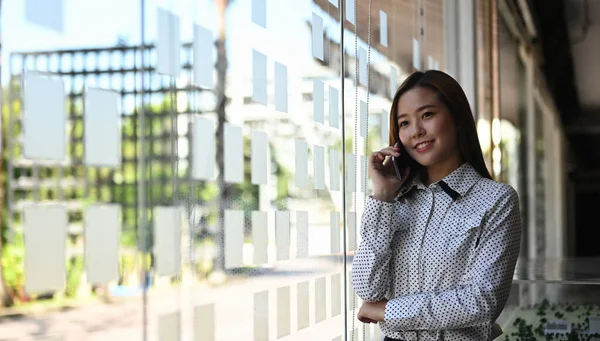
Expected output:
{"points": [[366, 320], [362, 315], [390, 151], [378, 157]]}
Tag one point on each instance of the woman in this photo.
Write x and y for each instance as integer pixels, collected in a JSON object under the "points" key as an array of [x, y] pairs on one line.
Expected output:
{"points": [[439, 247]]}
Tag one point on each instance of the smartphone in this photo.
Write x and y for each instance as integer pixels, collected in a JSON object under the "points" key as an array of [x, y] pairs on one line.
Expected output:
{"points": [[400, 162]]}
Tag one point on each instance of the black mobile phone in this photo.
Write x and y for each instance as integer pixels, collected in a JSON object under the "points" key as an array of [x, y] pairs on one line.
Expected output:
{"points": [[400, 162]]}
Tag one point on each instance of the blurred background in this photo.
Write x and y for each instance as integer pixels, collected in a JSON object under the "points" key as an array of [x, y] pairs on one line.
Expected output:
{"points": [[196, 169]]}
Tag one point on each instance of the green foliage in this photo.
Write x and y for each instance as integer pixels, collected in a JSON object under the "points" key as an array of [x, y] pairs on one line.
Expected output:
{"points": [[74, 272], [13, 256]]}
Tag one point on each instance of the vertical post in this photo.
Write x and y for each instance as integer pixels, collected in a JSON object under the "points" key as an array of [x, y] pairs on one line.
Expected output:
{"points": [[551, 236], [450, 37], [218, 275], [142, 228], [530, 137], [343, 123], [561, 184], [3, 292], [495, 75], [467, 54], [460, 29], [530, 140]]}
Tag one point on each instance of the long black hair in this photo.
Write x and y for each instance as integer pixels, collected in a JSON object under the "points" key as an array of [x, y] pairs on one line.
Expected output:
{"points": [[453, 96]]}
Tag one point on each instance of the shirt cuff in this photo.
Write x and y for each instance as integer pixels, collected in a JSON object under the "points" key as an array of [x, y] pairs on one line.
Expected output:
{"points": [[378, 204], [404, 312]]}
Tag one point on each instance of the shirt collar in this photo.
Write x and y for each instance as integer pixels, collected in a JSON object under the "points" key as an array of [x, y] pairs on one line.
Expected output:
{"points": [[462, 179], [455, 184]]}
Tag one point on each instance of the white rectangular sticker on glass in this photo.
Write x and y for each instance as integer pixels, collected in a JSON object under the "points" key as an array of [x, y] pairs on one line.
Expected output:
{"points": [[362, 66], [259, 161], [45, 266], [319, 101], [350, 172], [416, 54], [320, 299], [363, 173], [336, 295], [167, 240], [355, 333], [204, 322], [283, 312], [385, 126], [259, 12], [334, 107], [393, 81], [377, 334], [334, 221], [261, 315], [383, 28], [319, 163], [350, 11], [168, 43], [430, 62], [363, 119], [203, 148], [317, 37], [302, 234], [44, 118], [281, 87], [101, 239], [234, 238], [301, 148], [234, 154], [169, 326], [259, 77], [260, 237], [351, 225], [282, 234], [303, 305], [334, 170], [102, 128], [204, 57]]}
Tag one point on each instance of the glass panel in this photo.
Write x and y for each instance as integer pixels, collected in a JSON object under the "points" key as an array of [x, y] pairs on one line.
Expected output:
{"points": [[260, 240], [434, 34], [512, 109], [483, 113], [80, 234], [229, 198], [379, 57], [540, 183]]}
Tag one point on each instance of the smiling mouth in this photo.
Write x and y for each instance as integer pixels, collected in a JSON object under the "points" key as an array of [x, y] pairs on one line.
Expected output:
{"points": [[420, 147]]}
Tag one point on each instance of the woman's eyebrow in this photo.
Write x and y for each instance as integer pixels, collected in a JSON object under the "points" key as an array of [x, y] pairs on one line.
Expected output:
{"points": [[421, 108]]}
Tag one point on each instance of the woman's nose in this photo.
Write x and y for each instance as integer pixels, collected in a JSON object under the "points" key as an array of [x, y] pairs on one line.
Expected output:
{"points": [[418, 130]]}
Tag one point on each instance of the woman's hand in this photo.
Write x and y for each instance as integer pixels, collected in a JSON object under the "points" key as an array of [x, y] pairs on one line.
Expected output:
{"points": [[383, 175], [372, 312]]}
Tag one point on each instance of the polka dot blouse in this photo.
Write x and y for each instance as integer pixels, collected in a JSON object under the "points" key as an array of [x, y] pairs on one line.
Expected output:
{"points": [[443, 255]]}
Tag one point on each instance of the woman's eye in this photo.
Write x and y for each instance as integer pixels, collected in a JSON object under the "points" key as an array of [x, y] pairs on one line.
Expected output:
{"points": [[428, 114], [403, 123]]}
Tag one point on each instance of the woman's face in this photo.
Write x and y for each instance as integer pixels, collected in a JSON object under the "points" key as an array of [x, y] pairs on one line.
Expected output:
{"points": [[426, 128]]}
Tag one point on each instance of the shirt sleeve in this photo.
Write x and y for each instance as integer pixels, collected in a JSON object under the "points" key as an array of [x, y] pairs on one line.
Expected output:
{"points": [[480, 296], [370, 266]]}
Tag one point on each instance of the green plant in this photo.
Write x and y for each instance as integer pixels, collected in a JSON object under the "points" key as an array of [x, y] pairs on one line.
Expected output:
{"points": [[74, 272], [13, 256]]}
